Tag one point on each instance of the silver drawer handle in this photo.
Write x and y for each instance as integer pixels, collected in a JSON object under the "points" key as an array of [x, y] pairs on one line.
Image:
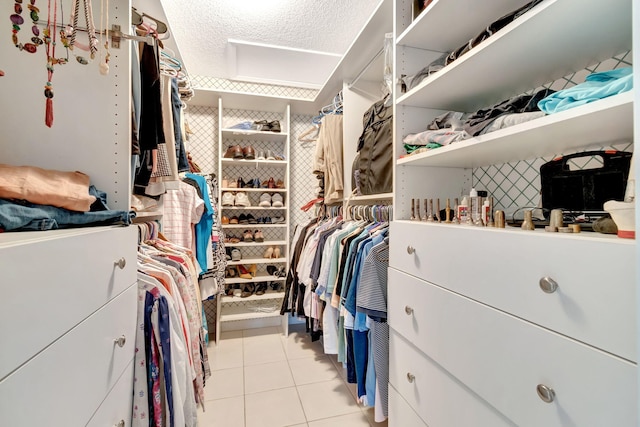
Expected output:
{"points": [[121, 341], [410, 377], [411, 250], [548, 285], [408, 310], [121, 263], [120, 424], [547, 394]]}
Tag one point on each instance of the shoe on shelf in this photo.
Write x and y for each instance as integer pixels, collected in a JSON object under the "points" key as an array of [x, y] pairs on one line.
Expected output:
{"points": [[225, 183], [274, 126], [278, 157], [271, 183], [231, 272], [275, 286], [234, 220], [280, 272], [234, 239], [268, 220], [247, 236], [242, 219], [251, 219], [280, 184], [233, 184], [260, 125], [246, 125], [228, 199], [258, 236], [260, 220], [240, 182], [276, 252], [249, 152], [270, 155], [234, 152], [260, 155], [224, 220], [278, 220], [242, 199], [247, 290], [271, 269], [261, 288], [256, 183], [268, 253], [277, 201], [243, 272], [253, 270], [265, 200], [236, 255]]}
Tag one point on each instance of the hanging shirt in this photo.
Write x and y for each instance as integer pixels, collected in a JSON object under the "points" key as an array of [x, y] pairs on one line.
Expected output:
{"points": [[182, 209]]}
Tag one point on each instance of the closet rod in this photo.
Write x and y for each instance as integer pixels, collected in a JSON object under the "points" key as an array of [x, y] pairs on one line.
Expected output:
{"points": [[115, 33], [366, 67]]}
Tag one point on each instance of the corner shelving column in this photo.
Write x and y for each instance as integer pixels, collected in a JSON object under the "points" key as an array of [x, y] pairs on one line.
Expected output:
{"points": [[235, 312]]}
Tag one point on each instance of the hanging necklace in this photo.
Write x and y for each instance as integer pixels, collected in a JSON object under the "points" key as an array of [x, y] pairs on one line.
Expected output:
{"points": [[50, 43], [17, 20], [70, 33], [104, 13]]}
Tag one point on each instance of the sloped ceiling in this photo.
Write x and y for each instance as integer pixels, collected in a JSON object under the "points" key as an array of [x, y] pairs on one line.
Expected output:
{"points": [[201, 29]]}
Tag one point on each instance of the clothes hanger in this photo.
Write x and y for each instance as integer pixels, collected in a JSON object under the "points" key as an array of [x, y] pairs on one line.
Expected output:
{"points": [[138, 18], [307, 136]]}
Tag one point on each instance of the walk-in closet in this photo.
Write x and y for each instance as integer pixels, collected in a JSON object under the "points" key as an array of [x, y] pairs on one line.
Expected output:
{"points": [[364, 213]]}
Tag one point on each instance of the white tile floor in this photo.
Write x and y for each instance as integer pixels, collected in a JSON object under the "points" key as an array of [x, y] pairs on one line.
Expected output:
{"points": [[260, 378]]}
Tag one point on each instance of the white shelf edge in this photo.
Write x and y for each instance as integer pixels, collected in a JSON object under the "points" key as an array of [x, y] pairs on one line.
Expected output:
{"points": [[241, 162], [257, 225], [369, 197], [236, 317], [240, 208], [249, 244], [234, 281], [590, 235], [254, 190], [266, 296], [257, 261], [576, 125]]}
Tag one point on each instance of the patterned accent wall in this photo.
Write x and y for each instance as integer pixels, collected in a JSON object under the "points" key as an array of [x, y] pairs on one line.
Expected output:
{"points": [[517, 185], [206, 82]]}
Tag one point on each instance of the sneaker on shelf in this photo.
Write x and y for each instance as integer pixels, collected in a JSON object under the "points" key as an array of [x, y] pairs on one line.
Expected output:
{"points": [[276, 200], [233, 220], [265, 200], [258, 236], [270, 155], [242, 199], [247, 236], [228, 199], [236, 255], [251, 219], [260, 155], [267, 220], [260, 220], [274, 126], [278, 220], [242, 219]]}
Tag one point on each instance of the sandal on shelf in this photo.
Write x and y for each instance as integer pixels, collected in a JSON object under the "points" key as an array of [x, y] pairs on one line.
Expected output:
{"points": [[268, 253], [247, 290]]}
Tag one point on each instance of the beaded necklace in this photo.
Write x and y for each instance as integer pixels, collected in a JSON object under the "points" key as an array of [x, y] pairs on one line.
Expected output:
{"points": [[68, 37], [50, 43], [17, 20]]}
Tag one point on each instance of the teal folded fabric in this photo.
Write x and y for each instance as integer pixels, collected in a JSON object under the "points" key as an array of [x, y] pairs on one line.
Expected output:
{"points": [[596, 86]]}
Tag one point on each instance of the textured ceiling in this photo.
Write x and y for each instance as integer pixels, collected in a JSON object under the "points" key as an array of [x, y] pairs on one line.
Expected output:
{"points": [[201, 28]]}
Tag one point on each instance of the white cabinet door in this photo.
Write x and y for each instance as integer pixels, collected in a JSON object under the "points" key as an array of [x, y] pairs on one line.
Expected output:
{"points": [[504, 359], [64, 384], [434, 393], [116, 408], [595, 274], [400, 413], [50, 285]]}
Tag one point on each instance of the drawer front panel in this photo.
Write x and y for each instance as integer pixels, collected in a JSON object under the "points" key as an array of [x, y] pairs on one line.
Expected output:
{"points": [[435, 394], [503, 359], [50, 286], [68, 381], [400, 413], [118, 404], [595, 277]]}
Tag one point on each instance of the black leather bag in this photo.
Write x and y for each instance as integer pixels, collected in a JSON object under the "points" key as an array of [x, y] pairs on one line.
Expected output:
{"points": [[375, 150]]}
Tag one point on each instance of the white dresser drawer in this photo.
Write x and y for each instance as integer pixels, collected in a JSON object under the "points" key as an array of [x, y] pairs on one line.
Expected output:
{"points": [[116, 408], [65, 384], [595, 298], [434, 393], [400, 413], [503, 359], [51, 281]]}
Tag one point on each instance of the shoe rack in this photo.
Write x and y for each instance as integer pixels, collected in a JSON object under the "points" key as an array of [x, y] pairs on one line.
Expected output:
{"points": [[251, 310]]}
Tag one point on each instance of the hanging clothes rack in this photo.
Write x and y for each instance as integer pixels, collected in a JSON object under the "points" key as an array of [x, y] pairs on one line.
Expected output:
{"points": [[366, 67]]}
